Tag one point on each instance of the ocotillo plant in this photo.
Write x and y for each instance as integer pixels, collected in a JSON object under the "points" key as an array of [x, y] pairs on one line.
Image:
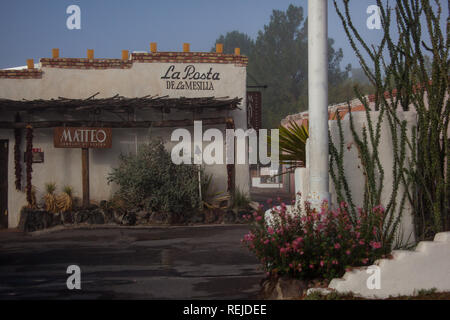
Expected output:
{"points": [[409, 71]]}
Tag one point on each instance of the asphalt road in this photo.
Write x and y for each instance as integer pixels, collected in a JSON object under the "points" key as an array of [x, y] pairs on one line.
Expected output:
{"points": [[206, 262]]}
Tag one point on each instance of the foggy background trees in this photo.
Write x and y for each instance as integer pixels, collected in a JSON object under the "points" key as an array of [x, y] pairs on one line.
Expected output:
{"points": [[278, 58]]}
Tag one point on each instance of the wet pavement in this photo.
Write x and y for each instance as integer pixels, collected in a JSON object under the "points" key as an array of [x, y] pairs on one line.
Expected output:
{"points": [[205, 262]]}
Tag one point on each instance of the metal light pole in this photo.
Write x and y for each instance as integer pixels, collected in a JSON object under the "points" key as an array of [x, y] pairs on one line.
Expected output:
{"points": [[318, 102]]}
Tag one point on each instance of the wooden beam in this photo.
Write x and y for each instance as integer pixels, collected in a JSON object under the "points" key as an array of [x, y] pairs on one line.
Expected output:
{"points": [[85, 176], [113, 124], [117, 102]]}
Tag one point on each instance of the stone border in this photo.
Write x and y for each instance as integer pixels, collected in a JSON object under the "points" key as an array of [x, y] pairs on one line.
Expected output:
{"points": [[83, 63], [21, 74]]}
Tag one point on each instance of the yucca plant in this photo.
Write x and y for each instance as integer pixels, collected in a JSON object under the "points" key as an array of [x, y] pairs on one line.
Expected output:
{"points": [[50, 198], [64, 201], [292, 144]]}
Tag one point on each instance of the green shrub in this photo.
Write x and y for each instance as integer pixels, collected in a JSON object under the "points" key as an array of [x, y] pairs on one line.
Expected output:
{"points": [[149, 180]]}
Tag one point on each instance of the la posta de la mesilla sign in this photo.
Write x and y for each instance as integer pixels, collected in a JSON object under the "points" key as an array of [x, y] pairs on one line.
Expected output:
{"points": [[190, 78], [82, 137]]}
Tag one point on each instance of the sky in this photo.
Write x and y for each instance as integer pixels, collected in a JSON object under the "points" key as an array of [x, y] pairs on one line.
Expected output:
{"points": [[31, 28]]}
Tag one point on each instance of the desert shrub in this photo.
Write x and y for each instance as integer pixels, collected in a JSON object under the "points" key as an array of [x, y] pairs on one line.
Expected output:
{"points": [[149, 180], [316, 245]]}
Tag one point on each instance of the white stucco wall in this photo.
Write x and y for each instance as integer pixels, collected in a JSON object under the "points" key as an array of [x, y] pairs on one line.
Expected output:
{"points": [[63, 166], [353, 168], [425, 268]]}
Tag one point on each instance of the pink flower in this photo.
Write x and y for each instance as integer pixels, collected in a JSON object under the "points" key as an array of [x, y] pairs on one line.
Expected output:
{"points": [[321, 263], [337, 245], [258, 218], [358, 234], [270, 230], [375, 245], [311, 266], [361, 242], [347, 252], [266, 241]]}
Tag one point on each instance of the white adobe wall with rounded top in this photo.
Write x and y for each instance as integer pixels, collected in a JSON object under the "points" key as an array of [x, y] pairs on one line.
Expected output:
{"points": [[426, 267]]}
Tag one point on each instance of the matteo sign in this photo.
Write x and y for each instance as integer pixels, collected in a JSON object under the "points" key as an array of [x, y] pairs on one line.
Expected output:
{"points": [[82, 137]]}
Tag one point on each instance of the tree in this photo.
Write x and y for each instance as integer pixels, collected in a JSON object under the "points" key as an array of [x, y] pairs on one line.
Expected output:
{"points": [[278, 58], [236, 39]]}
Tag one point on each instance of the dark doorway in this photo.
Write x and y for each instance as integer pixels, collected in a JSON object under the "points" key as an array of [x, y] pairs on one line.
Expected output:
{"points": [[3, 184]]}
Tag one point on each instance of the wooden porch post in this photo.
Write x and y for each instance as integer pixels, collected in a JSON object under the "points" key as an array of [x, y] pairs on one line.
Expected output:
{"points": [[85, 175]]}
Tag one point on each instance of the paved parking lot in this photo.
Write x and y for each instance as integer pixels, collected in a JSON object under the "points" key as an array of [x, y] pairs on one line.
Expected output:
{"points": [[206, 262]]}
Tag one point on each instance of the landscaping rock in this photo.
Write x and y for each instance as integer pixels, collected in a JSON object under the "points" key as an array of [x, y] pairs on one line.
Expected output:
{"points": [[82, 216], [175, 218], [229, 217], [283, 288], [108, 215], [319, 291], [197, 217], [142, 217], [57, 219], [129, 219], [32, 220], [118, 216], [67, 217], [210, 216], [158, 218], [103, 204], [96, 217]]}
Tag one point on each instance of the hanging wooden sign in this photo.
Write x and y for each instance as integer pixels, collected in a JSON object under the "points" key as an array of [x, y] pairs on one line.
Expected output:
{"points": [[82, 137]]}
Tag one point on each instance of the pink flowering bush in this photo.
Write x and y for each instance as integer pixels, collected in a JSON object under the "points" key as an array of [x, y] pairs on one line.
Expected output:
{"points": [[316, 245]]}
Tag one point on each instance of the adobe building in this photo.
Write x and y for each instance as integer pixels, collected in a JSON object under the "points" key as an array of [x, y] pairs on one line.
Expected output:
{"points": [[116, 104]]}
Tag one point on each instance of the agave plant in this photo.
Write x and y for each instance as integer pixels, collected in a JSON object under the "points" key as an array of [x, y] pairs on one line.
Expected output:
{"points": [[292, 144], [50, 198]]}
